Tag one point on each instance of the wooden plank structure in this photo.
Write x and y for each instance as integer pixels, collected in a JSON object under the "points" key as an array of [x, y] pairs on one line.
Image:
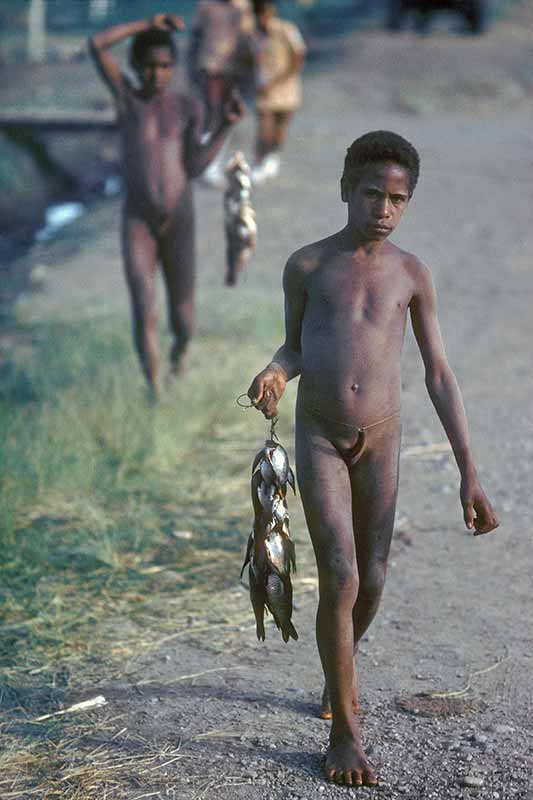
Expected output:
{"points": [[57, 119]]}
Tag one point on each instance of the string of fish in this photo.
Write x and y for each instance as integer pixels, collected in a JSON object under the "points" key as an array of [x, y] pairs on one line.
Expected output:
{"points": [[270, 553]]}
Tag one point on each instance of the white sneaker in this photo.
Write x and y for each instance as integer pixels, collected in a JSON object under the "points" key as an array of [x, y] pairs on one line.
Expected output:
{"points": [[272, 165], [267, 168]]}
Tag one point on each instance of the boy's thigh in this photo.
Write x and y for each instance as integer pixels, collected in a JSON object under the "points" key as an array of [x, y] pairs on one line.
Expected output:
{"points": [[177, 255], [139, 249], [326, 494], [282, 119], [374, 483]]}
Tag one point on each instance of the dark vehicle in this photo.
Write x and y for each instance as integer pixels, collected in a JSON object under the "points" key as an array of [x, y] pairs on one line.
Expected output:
{"points": [[475, 12]]}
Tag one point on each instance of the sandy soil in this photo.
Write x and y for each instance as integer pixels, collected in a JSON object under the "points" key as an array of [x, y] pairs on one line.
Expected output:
{"points": [[457, 610]]}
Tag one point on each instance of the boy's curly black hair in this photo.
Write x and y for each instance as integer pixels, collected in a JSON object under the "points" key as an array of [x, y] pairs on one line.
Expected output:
{"points": [[153, 37], [379, 146]]}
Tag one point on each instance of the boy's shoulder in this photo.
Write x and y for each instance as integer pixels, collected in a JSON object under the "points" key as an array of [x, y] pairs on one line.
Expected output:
{"points": [[415, 270], [411, 263], [289, 31], [309, 257]]}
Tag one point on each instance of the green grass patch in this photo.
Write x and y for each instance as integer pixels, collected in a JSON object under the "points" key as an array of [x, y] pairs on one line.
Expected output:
{"points": [[98, 486]]}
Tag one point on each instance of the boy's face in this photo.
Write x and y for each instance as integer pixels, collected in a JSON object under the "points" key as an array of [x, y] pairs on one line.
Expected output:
{"points": [[377, 203], [155, 70]]}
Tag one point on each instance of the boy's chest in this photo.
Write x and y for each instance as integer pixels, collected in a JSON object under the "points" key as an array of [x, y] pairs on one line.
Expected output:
{"points": [[357, 296], [156, 121]]}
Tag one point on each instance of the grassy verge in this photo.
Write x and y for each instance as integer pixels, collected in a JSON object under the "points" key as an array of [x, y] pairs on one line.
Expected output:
{"points": [[118, 521]]}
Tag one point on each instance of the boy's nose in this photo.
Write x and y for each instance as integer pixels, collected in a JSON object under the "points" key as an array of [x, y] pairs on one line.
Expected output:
{"points": [[383, 209]]}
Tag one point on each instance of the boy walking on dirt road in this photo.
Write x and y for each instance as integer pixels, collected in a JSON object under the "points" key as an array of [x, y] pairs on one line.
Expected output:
{"points": [[346, 304], [281, 55], [162, 149]]}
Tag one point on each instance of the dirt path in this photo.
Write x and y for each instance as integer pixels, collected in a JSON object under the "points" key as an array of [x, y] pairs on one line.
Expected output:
{"points": [[457, 610]]}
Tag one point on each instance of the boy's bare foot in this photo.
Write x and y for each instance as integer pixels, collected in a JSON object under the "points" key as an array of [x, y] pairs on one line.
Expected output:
{"points": [[177, 365], [325, 706], [346, 763]]}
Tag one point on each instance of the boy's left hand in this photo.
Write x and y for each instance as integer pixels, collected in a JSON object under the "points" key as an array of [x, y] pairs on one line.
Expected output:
{"points": [[478, 512], [168, 22], [234, 109]]}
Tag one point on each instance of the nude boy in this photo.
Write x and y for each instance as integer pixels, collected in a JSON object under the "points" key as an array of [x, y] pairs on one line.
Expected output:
{"points": [[162, 149], [346, 304]]}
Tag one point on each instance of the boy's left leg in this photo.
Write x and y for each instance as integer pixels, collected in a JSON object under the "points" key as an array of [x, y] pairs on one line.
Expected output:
{"points": [[266, 134], [374, 482], [282, 119], [374, 493], [177, 255]]}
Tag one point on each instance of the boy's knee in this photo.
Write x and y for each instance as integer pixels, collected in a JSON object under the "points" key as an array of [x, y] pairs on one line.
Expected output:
{"points": [[339, 582], [372, 582], [182, 321]]}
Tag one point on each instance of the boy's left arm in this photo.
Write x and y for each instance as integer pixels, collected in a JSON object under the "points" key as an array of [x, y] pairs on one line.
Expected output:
{"points": [[201, 146], [446, 396]]}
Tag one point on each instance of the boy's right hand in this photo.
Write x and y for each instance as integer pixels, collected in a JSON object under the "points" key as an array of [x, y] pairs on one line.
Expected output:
{"points": [[167, 22], [267, 388]]}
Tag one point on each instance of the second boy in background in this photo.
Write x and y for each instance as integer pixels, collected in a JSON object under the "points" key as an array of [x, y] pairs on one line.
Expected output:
{"points": [[163, 148], [280, 54]]}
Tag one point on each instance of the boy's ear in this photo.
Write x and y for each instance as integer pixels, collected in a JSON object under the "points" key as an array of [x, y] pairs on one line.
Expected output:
{"points": [[345, 190]]}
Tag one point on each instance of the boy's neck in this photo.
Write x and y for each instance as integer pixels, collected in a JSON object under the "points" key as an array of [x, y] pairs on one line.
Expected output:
{"points": [[350, 239]]}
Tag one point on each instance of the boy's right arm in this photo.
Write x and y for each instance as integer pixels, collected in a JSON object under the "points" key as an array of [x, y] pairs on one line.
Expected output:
{"points": [[268, 386], [100, 43]]}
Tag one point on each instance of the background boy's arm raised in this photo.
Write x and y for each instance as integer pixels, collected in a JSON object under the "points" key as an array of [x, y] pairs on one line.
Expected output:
{"points": [[445, 395], [202, 147], [267, 388], [101, 42]]}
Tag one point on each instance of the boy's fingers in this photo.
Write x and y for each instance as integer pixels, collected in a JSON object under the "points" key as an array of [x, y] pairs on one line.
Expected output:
{"points": [[255, 391], [469, 515], [485, 522]]}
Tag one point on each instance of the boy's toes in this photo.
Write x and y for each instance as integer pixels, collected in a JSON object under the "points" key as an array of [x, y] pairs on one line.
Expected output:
{"points": [[369, 779]]}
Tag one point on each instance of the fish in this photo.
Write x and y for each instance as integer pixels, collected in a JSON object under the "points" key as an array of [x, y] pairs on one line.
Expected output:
{"points": [[270, 552], [259, 602], [279, 603], [280, 553], [273, 463], [239, 216]]}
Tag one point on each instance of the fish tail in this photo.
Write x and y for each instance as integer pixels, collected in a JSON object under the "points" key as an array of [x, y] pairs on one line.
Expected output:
{"points": [[291, 630]]}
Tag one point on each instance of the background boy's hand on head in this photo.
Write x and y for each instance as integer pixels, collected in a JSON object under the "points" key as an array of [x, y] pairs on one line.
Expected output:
{"points": [[266, 390], [168, 22], [478, 513]]}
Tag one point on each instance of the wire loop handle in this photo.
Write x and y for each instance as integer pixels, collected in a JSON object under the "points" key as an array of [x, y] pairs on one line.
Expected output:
{"points": [[243, 405], [273, 422]]}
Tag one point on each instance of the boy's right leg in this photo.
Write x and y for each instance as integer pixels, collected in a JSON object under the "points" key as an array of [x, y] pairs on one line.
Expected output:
{"points": [[177, 254], [326, 493], [139, 251]]}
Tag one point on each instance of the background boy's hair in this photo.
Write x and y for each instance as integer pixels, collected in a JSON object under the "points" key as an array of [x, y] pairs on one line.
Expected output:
{"points": [[260, 5], [153, 37], [377, 146]]}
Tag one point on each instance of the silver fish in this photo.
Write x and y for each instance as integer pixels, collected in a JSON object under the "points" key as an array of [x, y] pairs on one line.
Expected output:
{"points": [[239, 217], [273, 463], [270, 552], [259, 601], [266, 496], [280, 512], [280, 553], [279, 603]]}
